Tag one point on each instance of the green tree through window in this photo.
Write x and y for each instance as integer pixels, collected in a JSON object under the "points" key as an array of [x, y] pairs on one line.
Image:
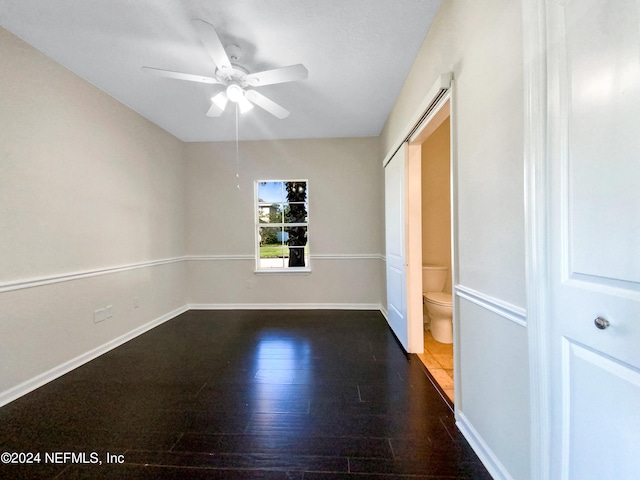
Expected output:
{"points": [[297, 213]]}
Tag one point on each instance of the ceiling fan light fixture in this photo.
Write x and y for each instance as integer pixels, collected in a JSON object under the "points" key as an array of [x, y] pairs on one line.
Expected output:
{"points": [[245, 105], [220, 100], [235, 93]]}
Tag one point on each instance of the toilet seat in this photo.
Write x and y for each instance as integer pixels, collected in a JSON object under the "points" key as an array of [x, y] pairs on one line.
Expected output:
{"points": [[438, 298]]}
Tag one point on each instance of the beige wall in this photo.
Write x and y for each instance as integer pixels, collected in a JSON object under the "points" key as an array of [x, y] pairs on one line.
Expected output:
{"points": [[86, 186], [346, 224], [86, 182], [481, 43], [436, 199]]}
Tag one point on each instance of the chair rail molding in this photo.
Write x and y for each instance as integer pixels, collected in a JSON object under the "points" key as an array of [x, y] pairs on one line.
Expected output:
{"points": [[93, 272], [504, 309], [67, 277]]}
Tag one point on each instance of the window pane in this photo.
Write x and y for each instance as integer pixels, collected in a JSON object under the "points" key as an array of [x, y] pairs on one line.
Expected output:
{"points": [[295, 191], [297, 243], [270, 213], [281, 205], [266, 263], [274, 252], [269, 236], [295, 213], [271, 192]]}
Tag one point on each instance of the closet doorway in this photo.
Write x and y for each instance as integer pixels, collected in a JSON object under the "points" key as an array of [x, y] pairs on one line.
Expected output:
{"points": [[430, 145], [403, 167]]}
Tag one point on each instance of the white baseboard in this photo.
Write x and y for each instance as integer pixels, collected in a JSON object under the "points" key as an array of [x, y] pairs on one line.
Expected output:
{"points": [[46, 377], [284, 306], [487, 457]]}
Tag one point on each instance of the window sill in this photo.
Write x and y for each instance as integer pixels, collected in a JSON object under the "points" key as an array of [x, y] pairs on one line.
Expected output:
{"points": [[284, 271]]}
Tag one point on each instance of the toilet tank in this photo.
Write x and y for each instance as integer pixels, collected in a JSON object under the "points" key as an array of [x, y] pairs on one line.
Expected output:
{"points": [[434, 277]]}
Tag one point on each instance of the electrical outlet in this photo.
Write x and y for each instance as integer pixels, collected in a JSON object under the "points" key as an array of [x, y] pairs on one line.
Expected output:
{"points": [[102, 314], [99, 315]]}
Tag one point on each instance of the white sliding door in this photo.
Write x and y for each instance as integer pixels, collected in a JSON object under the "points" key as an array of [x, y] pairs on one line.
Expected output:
{"points": [[395, 227]]}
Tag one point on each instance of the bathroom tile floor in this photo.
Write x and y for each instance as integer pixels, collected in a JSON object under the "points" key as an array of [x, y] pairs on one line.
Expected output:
{"points": [[438, 358], [286, 395]]}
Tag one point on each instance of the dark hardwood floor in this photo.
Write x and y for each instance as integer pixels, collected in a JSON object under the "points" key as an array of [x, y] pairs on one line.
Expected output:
{"points": [[303, 395]]}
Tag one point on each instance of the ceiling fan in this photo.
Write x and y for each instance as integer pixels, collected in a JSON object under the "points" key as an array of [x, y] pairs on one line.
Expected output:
{"points": [[237, 80]]}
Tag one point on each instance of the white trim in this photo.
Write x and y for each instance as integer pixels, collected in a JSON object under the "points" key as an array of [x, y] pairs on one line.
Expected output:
{"points": [[25, 387], [455, 276], [284, 271], [487, 457], [214, 258], [285, 306], [67, 277], [432, 98], [413, 242], [535, 208], [348, 256], [433, 119], [318, 256], [511, 312]]}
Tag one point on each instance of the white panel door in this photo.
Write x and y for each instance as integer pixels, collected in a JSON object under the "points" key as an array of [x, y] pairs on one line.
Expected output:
{"points": [[594, 238], [395, 205]]}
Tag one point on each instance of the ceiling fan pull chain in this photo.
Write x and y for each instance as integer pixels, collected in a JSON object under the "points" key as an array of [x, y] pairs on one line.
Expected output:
{"points": [[237, 152]]}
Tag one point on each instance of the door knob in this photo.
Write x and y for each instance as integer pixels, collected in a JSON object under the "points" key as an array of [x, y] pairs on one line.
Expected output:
{"points": [[601, 323]]}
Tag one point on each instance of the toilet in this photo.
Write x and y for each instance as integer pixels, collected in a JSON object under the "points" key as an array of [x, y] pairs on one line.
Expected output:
{"points": [[437, 303]]}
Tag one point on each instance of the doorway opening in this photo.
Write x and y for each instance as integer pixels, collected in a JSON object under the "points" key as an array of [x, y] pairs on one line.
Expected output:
{"points": [[431, 144]]}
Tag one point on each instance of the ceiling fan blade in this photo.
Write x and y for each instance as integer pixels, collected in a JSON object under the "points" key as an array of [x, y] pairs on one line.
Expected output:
{"points": [[180, 76], [213, 45], [269, 105], [278, 75]]}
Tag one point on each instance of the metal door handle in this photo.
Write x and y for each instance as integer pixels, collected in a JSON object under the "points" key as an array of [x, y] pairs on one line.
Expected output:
{"points": [[601, 323]]}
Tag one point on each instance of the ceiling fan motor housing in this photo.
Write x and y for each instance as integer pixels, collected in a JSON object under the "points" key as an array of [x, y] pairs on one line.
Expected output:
{"points": [[237, 74]]}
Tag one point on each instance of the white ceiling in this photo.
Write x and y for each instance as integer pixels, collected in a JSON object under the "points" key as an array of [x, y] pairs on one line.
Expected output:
{"points": [[358, 53]]}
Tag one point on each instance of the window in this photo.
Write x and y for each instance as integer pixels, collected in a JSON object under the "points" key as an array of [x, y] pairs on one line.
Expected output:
{"points": [[282, 224]]}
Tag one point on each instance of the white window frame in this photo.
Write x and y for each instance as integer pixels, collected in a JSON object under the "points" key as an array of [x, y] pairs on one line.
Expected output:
{"points": [[285, 269]]}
